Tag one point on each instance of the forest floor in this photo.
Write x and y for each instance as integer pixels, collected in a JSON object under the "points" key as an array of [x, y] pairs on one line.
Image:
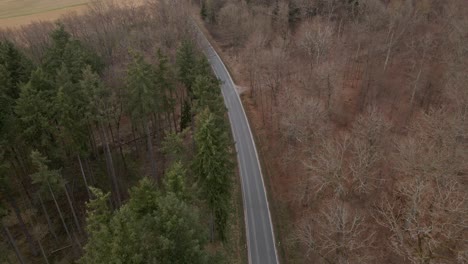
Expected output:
{"points": [[14, 13]]}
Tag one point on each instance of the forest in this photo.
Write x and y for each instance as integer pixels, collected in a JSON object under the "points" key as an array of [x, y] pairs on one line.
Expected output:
{"points": [[114, 142], [360, 114]]}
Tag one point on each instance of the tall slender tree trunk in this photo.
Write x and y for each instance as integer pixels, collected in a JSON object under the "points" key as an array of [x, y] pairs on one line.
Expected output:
{"points": [[150, 152], [84, 176], [21, 180], [49, 222], [90, 172], [135, 140], [110, 167], [111, 132], [72, 208], [60, 213], [24, 228], [13, 244], [93, 141], [120, 146], [388, 51], [42, 251], [212, 225]]}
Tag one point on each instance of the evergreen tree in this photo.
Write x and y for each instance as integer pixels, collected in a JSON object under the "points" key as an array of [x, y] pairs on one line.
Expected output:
{"points": [[294, 14], [16, 65], [164, 81], [206, 92], [98, 248], [150, 228], [173, 147], [203, 11], [51, 182], [72, 53], [35, 108], [213, 168], [98, 113], [174, 180], [71, 105], [187, 64], [186, 116], [143, 99]]}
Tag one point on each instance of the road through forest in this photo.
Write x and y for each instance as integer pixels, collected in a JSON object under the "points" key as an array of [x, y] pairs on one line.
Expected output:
{"points": [[259, 227]]}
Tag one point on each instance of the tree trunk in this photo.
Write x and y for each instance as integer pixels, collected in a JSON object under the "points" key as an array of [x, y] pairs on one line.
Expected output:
{"points": [[24, 228], [150, 152], [72, 208], [120, 146], [388, 51], [13, 244], [212, 226], [93, 141], [110, 167], [60, 212], [21, 180], [135, 140], [90, 172], [43, 252], [84, 176], [49, 222]]}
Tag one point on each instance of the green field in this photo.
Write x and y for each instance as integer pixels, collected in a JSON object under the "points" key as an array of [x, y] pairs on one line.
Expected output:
{"points": [[15, 8]]}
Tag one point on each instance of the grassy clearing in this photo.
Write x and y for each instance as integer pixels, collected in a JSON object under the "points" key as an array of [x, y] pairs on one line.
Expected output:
{"points": [[15, 8]]}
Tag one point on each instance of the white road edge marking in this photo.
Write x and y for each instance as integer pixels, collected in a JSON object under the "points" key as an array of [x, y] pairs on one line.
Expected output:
{"points": [[253, 141]]}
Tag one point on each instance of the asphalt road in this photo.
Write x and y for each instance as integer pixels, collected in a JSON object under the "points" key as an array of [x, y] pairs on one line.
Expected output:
{"points": [[259, 228]]}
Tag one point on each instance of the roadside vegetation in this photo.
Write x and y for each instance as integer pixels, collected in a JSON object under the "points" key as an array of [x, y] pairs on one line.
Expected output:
{"points": [[360, 111], [114, 142]]}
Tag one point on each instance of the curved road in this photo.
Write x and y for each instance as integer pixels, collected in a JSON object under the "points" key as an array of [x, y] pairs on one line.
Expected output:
{"points": [[259, 228]]}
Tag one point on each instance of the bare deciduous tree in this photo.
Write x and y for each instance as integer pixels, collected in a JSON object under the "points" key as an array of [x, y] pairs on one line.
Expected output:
{"points": [[338, 235]]}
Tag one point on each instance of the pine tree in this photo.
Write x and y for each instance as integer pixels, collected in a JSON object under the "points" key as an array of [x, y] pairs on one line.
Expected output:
{"points": [[16, 65], [203, 11], [173, 147], [206, 92], [213, 168], [187, 64], [36, 111], [98, 248], [164, 81], [51, 182], [98, 113], [186, 116], [7, 198], [65, 50], [174, 180], [150, 228], [143, 100]]}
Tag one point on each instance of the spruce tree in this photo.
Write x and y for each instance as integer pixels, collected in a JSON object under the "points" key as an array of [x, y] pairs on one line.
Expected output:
{"points": [[206, 92], [99, 215], [36, 111], [187, 64], [164, 82], [151, 228], [186, 115], [174, 180], [173, 147], [72, 53], [143, 100], [98, 114], [17, 65], [213, 167]]}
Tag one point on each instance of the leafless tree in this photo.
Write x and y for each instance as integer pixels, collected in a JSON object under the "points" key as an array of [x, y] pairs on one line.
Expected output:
{"points": [[338, 234], [427, 220], [369, 135], [327, 169], [316, 39]]}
